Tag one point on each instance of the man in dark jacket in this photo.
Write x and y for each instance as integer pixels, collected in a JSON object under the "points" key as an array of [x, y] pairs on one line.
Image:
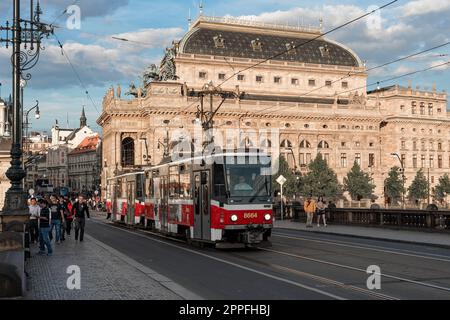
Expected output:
{"points": [[80, 211]]}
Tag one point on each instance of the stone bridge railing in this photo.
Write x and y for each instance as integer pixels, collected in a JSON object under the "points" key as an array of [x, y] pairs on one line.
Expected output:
{"points": [[408, 219]]}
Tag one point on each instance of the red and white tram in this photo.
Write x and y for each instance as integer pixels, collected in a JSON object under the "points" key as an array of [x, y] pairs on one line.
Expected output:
{"points": [[224, 199]]}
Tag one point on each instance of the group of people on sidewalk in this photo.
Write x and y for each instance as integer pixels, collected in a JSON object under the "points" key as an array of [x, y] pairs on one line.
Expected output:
{"points": [[59, 214], [316, 208]]}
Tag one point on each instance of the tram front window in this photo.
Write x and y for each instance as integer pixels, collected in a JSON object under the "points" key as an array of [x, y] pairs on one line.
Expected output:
{"points": [[247, 181]]}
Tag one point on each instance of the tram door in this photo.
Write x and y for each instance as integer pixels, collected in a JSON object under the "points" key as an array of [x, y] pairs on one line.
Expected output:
{"points": [[202, 202], [164, 205], [131, 196]]}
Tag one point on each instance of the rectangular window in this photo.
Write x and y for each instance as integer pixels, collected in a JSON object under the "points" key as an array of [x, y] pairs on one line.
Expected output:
{"points": [[259, 79], [422, 109], [403, 157], [414, 145], [302, 159], [277, 80], [423, 161], [358, 158], [221, 76], [294, 81], [403, 144], [431, 161], [202, 75], [344, 84], [311, 82], [371, 159], [328, 83], [241, 77], [308, 158], [415, 161], [440, 162], [439, 146], [430, 109], [343, 160]]}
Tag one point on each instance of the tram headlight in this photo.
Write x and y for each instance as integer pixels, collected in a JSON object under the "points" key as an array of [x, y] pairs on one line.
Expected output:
{"points": [[234, 218], [267, 217]]}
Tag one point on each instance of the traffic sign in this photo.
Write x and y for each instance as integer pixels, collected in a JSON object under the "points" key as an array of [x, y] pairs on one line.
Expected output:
{"points": [[281, 180]]}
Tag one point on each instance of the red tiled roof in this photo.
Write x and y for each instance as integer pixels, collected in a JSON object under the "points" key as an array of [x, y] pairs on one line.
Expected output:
{"points": [[87, 145]]}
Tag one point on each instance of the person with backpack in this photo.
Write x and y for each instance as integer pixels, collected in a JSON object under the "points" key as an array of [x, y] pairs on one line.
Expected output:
{"points": [[57, 218], [310, 209], [80, 211], [44, 228]]}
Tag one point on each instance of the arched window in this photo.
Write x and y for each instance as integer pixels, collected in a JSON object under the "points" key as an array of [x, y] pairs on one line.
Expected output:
{"points": [[266, 143], [305, 144], [324, 145], [127, 152], [286, 144]]}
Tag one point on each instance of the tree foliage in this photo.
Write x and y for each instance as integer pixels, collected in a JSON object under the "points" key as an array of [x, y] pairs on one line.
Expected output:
{"points": [[358, 183], [418, 190], [442, 190], [291, 186], [321, 180], [393, 185]]}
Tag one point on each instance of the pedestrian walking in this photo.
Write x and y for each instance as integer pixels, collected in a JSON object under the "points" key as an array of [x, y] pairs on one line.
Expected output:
{"points": [[69, 218], [34, 211], [64, 221], [321, 206], [80, 211], [57, 218], [44, 228], [310, 209]]}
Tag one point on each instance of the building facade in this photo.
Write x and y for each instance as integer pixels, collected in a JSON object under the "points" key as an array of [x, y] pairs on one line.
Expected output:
{"points": [[62, 143], [83, 165], [313, 96]]}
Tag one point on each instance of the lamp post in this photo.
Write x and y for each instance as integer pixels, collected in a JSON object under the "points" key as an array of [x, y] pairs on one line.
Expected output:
{"points": [[26, 35], [403, 177], [37, 115]]}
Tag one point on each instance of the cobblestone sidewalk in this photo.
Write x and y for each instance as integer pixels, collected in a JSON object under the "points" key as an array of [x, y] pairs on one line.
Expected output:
{"points": [[104, 275]]}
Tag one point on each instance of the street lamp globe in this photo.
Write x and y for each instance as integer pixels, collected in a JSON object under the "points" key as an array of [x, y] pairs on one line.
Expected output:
{"points": [[37, 115]]}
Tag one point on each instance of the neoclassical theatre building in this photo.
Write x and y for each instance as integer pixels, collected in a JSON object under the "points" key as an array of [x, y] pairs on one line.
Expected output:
{"points": [[315, 95]]}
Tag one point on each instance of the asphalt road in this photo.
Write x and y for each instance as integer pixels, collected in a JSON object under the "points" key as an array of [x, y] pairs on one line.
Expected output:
{"points": [[300, 265]]}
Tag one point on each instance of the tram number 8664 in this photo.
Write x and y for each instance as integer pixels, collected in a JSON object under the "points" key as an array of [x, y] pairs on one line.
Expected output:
{"points": [[250, 215]]}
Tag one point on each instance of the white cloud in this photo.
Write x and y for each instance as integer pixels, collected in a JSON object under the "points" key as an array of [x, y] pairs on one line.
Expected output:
{"points": [[422, 7], [101, 63]]}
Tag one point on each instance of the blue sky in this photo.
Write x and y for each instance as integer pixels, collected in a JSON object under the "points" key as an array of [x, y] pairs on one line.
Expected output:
{"points": [[405, 27]]}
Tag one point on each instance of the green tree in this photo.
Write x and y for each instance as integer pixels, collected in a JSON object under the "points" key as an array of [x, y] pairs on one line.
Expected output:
{"points": [[418, 190], [358, 183], [321, 180], [443, 188], [393, 185], [291, 186]]}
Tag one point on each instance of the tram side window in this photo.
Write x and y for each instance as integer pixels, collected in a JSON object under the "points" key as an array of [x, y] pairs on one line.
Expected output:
{"points": [[149, 191], [219, 181], [174, 183], [185, 184], [140, 186]]}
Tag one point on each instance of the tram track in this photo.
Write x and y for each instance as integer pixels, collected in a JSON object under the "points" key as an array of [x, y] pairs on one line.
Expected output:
{"points": [[336, 288]]}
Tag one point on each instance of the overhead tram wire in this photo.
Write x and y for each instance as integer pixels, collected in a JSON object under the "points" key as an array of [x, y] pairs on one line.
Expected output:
{"points": [[396, 77], [371, 69], [64, 53], [295, 47], [371, 84]]}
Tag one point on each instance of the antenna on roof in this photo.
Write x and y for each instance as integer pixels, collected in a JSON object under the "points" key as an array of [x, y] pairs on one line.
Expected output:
{"points": [[189, 18], [201, 7]]}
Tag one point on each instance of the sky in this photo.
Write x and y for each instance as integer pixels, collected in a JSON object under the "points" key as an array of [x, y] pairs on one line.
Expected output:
{"points": [[100, 61]]}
